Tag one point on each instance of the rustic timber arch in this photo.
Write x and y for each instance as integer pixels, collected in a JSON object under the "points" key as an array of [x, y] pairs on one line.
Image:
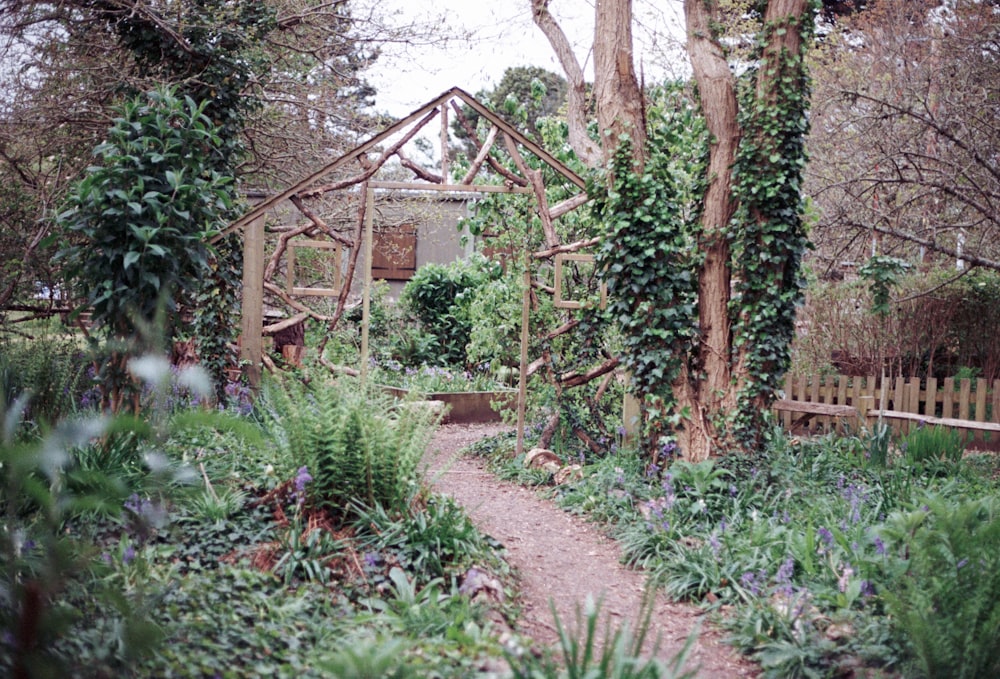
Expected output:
{"points": [[356, 222]]}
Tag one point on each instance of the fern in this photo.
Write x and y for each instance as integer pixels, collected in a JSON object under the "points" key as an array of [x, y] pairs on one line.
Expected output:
{"points": [[947, 604], [360, 448]]}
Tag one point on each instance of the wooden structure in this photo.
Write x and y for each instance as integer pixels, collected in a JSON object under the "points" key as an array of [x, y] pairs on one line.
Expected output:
{"points": [[355, 177], [834, 400]]}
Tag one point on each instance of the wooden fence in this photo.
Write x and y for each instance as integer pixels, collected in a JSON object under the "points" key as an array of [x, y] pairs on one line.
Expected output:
{"points": [[833, 401]]}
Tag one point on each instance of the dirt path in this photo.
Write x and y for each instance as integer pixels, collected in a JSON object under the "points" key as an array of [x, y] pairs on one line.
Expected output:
{"points": [[563, 559]]}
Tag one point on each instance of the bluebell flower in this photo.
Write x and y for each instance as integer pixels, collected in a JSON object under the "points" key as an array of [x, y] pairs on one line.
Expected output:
{"points": [[302, 478]]}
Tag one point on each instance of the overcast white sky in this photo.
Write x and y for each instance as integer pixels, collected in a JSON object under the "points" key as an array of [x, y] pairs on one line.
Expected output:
{"points": [[500, 34]]}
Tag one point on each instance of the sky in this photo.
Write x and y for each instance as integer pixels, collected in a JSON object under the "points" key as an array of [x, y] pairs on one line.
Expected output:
{"points": [[488, 36]]}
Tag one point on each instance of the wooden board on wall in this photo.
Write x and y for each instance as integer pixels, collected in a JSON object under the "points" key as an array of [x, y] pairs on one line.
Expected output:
{"points": [[394, 254]]}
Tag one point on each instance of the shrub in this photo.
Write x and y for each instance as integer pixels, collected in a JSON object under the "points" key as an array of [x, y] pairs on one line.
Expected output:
{"points": [[440, 296], [358, 446], [937, 329], [52, 369], [947, 603], [932, 444]]}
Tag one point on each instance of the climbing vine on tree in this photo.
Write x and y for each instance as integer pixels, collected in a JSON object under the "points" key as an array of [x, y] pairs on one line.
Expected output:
{"points": [[705, 237]]}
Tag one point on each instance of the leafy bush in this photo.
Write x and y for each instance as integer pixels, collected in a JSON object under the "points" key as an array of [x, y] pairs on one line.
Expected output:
{"points": [[440, 297], [947, 602], [935, 332], [359, 447], [52, 369], [140, 221], [430, 541]]}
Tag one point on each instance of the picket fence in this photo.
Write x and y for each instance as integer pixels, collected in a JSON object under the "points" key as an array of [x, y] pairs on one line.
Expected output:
{"points": [[822, 403]]}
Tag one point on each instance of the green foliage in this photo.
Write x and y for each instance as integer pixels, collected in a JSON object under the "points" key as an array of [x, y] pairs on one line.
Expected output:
{"points": [[654, 255], [51, 368], [430, 541], [882, 272], [767, 234], [218, 64], [358, 446], [369, 658], [47, 486], [934, 327], [440, 295], [139, 222], [796, 542], [650, 256], [616, 654], [934, 444], [947, 603]]}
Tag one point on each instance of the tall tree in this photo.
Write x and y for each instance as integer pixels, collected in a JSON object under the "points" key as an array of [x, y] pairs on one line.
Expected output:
{"points": [[904, 139], [708, 341]]}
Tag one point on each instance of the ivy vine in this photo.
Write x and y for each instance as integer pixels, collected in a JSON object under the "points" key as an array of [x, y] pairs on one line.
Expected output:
{"points": [[651, 258]]}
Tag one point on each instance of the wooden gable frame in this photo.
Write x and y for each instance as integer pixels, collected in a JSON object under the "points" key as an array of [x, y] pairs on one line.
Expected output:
{"points": [[526, 181]]}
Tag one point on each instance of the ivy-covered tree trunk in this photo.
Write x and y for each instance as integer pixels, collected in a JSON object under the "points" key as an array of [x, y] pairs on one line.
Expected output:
{"points": [[703, 209], [751, 229]]}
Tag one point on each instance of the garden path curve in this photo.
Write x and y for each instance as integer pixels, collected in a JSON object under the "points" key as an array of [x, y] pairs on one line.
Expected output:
{"points": [[562, 558]]}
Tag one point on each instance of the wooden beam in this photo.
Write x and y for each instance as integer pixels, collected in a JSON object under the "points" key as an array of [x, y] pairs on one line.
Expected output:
{"points": [[444, 144], [535, 177], [366, 298], [484, 151], [458, 188], [510, 131], [812, 408], [943, 421], [522, 384], [568, 205], [281, 325], [354, 153], [252, 317]]}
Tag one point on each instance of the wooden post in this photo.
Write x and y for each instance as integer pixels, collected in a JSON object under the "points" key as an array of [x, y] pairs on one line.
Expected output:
{"points": [[366, 297], [631, 414], [522, 385], [252, 321]]}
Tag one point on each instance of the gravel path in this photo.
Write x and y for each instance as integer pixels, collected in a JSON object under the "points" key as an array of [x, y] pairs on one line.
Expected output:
{"points": [[562, 559]]}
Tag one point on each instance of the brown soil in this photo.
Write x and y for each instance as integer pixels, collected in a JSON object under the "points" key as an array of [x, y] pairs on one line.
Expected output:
{"points": [[562, 559]]}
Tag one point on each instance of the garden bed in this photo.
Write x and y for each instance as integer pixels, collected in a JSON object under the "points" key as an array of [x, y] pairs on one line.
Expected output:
{"points": [[466, 407]]}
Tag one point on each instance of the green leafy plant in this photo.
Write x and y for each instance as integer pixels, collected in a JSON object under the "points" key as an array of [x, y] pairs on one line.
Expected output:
{"points": [[440, 295], [934, 444], [358, 446], [947, 602], [617, 654], [140, 220], [429, 379], [47, 488]]}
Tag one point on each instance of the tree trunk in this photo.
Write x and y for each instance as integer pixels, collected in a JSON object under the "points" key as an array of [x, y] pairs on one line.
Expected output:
{"points": [[705, 385], [620, 109]]}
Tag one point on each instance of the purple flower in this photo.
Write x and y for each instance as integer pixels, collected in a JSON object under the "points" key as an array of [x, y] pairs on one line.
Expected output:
{"points": [[128, 555], [372, 559], [961, 564], [879, 546], [785, 571], [715, 544], [826, 536], [302, 478]]}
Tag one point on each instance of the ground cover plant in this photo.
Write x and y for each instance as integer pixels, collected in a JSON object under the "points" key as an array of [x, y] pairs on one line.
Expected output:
{"points": [[295, 537], [821, 557]]}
